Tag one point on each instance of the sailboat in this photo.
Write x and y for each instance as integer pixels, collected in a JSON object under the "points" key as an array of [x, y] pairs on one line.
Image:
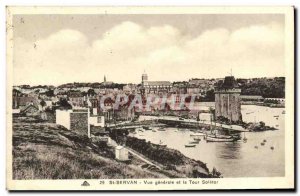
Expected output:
{"points": [[162, 144], [245, 139], [218, 138]]}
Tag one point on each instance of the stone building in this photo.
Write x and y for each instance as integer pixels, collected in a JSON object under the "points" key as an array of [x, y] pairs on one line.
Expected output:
{"points": [[76, 120], [154, 87], [227, 100]]}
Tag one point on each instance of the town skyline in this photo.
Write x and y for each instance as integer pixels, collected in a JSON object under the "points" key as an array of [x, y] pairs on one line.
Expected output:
{"points": [[116, 82], [64, 49]]}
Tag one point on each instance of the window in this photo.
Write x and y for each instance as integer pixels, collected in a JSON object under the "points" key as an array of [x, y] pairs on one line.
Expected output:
{"points": [[99, 119]]}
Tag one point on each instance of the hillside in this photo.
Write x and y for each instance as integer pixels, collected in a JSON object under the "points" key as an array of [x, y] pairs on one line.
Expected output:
{"points": [[43, 150], [49, 151]]}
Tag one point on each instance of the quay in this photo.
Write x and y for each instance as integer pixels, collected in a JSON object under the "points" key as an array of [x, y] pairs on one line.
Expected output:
{"points": [[175, 121]]}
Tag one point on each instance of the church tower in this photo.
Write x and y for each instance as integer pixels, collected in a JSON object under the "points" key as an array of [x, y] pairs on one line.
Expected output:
{"points": [[144, 77]]}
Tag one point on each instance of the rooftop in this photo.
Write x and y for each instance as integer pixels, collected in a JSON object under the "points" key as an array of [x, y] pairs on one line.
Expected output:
{"points": [[158, 83]]}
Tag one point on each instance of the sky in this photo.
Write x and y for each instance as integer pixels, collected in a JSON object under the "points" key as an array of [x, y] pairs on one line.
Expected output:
{"points": [[57, 49]]}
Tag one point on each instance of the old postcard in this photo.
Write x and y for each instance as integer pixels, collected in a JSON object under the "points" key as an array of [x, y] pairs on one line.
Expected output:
{"points": [[150, 98]]}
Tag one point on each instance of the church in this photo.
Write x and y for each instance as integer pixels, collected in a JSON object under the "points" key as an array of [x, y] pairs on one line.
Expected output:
{"points": [[154, 87]]}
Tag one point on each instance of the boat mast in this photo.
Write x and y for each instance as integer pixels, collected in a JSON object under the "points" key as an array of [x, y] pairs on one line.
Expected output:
{"points": [[210, 124]]}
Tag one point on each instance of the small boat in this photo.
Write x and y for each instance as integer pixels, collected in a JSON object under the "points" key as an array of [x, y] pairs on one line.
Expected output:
{"points": [[161, 129], [276, 116], [162, 144], [265, 140], [153, 130], [220, 136], [262, 143], [197, 139], [272, 147], [194, 142], [245, 139], [256, 147], [215, 139], [283, 112], [146, 128], [197, 134], [190, 145]]}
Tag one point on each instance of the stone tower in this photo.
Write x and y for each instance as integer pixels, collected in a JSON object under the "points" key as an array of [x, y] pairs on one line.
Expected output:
{"points": [[227, 100], [144, 77]]}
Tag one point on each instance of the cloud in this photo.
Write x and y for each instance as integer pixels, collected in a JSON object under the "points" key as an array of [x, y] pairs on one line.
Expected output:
{"points": [[124, 51]]}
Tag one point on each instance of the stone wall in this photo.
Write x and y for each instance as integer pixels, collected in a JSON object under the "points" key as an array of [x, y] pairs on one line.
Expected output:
{"points": [[228, 105], [79, 122]]}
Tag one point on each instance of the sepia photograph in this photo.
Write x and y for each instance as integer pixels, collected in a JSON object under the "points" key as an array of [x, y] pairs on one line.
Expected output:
{"points": [[150, 98]]}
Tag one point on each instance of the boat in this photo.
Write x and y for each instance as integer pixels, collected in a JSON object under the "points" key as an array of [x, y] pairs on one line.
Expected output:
{"points": [[146, 128], [256, 147], [197, 139], [220, 136], [194, 142], [153, 130], [190, 145], [162, 144], [262, 143], [265, 140], [283, 112], [245, 139], [272, 147], [197, 134], [276, 116], [215, 139], [161, 129]]}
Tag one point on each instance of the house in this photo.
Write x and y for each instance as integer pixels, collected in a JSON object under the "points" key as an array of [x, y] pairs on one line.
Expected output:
{"points": [[80, 120], [77, 100], [121, 153], [76, 120], [24, 101], [30, 110]]}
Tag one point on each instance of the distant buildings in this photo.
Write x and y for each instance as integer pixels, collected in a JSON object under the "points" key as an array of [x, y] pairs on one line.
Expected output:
{"points": [[227, 100]]}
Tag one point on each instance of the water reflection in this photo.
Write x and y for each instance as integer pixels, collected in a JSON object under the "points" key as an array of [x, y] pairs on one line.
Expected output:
{"points": [[229, 150]]}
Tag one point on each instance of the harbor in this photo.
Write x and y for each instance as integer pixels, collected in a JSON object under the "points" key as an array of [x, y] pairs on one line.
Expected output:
{"points": [[267, 159]]}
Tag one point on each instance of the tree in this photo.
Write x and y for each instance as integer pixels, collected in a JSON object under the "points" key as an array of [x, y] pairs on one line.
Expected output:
{"points": [[64, 104], [91, 92], [43, 103]]}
